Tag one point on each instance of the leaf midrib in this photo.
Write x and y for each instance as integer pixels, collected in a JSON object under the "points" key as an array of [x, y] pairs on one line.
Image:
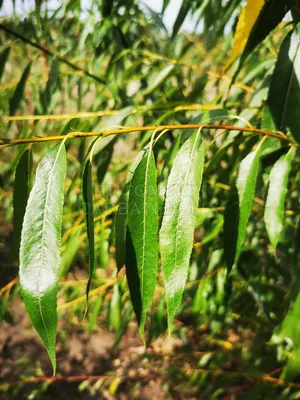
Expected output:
{"points": [[144, 221], [43, 239], [180, 204]]}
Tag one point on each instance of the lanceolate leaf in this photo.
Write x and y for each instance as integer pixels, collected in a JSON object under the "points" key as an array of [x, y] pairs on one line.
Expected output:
{"points": [[183, 12], [267, 16], [15, 101], [274, 209], [40, 246], [122, 214], [143, 228], [239, 207], [283, 103], [177, 230], [3, 59], [21, 193], [246, 21], [87, 192], [271, 14]]}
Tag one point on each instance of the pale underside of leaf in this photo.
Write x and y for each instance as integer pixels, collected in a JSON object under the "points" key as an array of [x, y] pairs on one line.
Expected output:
{"points": [[40, 246]]}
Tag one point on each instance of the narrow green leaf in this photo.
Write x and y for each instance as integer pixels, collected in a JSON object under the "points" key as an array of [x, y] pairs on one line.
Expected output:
{"points": [[87, 193], [177, 230], [15, 100], [158, 79], [40, 246], [283, 103], [143, 228], [274, 209], [238, 208], [3, 59], [183, 12], [122, 215], [20, 198]]}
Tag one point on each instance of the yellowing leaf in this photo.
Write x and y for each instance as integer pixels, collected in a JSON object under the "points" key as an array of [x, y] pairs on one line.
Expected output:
{"points": [[246, 22]]}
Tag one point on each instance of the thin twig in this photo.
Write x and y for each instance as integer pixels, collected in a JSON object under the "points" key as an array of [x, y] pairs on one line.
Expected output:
{"points": [[52, 54], [73, 135]]}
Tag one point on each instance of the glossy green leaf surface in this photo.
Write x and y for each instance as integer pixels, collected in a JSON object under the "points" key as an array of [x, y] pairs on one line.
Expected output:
{"points": [[143, 228], [274, 209], [177, 230], [283, 103], [122, 214], [40, 246], [15, 100], [239, 208], [87, 193], [21, 193]]}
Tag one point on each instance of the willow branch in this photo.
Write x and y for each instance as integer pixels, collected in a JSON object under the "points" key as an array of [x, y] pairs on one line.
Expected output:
{"points": [[52, 54], [73, 135]]}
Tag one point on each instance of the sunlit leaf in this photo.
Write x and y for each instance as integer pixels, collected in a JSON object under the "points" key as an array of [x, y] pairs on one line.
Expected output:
{"points": [[177, 230], [143, 228], [246, 22], [122, 214], [40, 246], [274, 209]]}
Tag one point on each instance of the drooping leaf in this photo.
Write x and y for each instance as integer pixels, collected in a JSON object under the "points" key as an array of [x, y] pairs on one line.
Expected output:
{"points": [[283, 104], [268, 14], [165, 5], [274, 209], [239, 207], [245, 24], [122, 214], [16, 98], [3, 59], [143, 228], [20, 198], [87, 193], [40, 246], [178, 224], [182, 13]]}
